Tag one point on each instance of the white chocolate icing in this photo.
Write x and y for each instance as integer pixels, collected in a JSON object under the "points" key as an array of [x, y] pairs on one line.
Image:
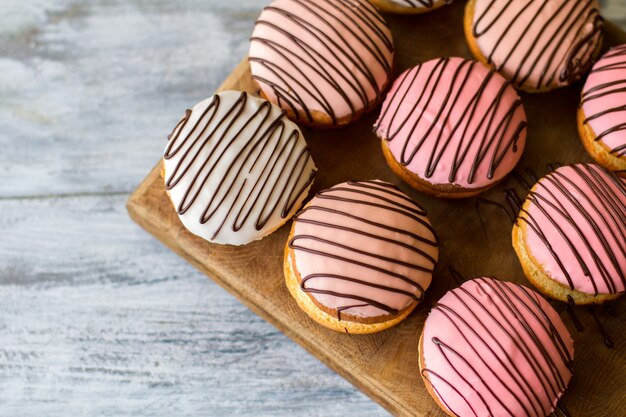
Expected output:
{"points": [[236, 168]]}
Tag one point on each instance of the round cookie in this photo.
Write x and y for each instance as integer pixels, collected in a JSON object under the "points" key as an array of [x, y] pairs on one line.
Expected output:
{"points": [[539, 45], [236, 168], [570, 235], [409, 6], [451, 127], [360, 256], [325, 62], [602, 111], [494, 348]]}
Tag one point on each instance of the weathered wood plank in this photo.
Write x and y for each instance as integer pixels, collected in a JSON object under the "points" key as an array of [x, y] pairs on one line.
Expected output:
{"points": [[97, 318], [615, 10], [90, 90]]}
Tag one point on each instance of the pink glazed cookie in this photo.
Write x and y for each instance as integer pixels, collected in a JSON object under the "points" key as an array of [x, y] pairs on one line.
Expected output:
{"points": [[324, 62], [451, 127], [494, 348], [539, 45], [360, 256], [570, 235], [602, 111]]}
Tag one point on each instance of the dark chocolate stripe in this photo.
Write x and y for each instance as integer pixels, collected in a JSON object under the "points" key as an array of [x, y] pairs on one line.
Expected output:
{"points": [[420, 3], [384, 197], [336, 62], [492, 132], [271, 143]]}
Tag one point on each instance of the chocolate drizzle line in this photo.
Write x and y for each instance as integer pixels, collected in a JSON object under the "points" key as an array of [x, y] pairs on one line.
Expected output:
{"points": [[384, 197], [420, 3], [608, 342], [208, 141], [497, 136], [513, 200], [610, 213], [618, 86], [569, 307], [334, 60], [511, 197], [456, 275], [504, 300], [606, 338], [560, 411], [609, 309], [542, 41], [512, 207]]}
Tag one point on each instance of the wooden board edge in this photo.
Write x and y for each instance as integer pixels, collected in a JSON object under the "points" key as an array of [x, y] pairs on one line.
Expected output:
{"points": [[139, 215]]}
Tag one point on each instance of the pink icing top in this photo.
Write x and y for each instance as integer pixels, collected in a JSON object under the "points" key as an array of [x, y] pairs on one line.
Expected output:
{"points": [[494, 348], [576, 228], [333, 57], [364, 248], [538, 43], [451, 120], [604, 100]]}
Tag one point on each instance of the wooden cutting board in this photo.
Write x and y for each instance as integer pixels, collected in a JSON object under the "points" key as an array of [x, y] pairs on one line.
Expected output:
{"points": [[385, 365]]}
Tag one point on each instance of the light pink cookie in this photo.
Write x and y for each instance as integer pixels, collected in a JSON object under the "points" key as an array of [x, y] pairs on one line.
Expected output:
{"points": [[539, 45], [325, 62], [360, 256]]}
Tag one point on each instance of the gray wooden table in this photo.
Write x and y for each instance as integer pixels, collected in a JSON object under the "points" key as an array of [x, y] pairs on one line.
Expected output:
{"points": [[96, 317]]}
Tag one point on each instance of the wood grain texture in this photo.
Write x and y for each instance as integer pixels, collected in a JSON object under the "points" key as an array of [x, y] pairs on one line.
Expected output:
{"points": [[89, 88], [384, 365], [96, 317]]}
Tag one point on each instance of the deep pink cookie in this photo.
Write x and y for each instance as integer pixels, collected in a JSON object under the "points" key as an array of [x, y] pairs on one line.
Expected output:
{"points": [[451, 127], [602, 111], [494, 348], [570, 235]]}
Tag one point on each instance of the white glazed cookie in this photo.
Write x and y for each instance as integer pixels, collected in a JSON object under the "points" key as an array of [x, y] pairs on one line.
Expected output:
{"points": [[236, 168]]}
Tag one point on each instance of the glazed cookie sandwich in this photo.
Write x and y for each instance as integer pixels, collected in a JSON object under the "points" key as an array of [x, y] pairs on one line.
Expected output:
{"points": [[360, 256], [602, 111], [325, 62], [236, 168], [570, 235], [451, 127], [539, 45]]}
